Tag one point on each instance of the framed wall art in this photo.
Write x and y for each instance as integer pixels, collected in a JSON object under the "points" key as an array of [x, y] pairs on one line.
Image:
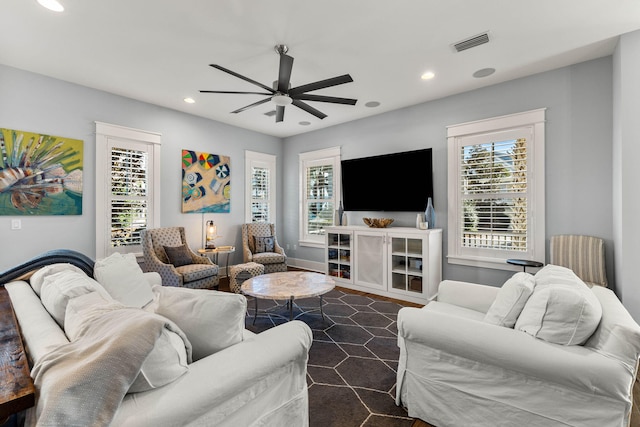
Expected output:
{"points": [[206, 182], [40, 174]]}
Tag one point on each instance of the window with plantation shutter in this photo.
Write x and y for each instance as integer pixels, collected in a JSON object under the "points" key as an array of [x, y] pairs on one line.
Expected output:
{"points": [[260, 181], [127, 187], [128, 204], [496, 180], [320, 180]]}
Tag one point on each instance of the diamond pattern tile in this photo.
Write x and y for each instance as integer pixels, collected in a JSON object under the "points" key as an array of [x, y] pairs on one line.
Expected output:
{"points": [[353, 360]]}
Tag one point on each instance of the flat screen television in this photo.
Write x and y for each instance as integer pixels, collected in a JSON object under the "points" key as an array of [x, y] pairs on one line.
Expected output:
{"points": [[398, 182]]}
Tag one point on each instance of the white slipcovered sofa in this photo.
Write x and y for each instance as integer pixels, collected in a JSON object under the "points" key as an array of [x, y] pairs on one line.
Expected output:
{"points": [[543, 350], [185, 359]]}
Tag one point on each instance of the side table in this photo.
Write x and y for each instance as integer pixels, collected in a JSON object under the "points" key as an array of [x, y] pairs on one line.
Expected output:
{"points": [[217, 251], [524, 263]]}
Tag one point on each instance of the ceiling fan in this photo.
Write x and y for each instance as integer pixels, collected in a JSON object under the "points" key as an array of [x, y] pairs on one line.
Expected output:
{"points": [[282, 94]]}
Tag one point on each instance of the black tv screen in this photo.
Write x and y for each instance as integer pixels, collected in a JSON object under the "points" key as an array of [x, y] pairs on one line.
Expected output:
{"points": [[399, 182]]}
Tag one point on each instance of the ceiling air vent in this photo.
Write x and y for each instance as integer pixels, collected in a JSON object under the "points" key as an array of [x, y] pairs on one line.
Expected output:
{"points": [[471, 42]]}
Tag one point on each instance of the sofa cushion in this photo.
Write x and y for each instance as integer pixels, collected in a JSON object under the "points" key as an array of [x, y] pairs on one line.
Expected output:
{"points": [[178, 255], [37, 279], [562, 309], [211, 320], [123, 278], [59, 288], [269, 258], [167, 361], [264, 243], [510, 300]]}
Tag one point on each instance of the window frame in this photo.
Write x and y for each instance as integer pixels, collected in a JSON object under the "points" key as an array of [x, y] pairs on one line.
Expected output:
{"points": [[266, 161], [324, 157], [127, 138], [530, 124]]}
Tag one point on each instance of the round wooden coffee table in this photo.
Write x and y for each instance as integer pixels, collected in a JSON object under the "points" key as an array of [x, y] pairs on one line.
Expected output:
{"points": [[288, 285]]}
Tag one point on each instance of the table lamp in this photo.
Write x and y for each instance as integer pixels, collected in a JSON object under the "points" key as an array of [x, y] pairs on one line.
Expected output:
{"points": [[211, 232]]}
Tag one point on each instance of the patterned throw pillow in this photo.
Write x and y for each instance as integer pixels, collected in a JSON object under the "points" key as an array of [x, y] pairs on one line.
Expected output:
{"points": [[264, 244], [178, 255]]}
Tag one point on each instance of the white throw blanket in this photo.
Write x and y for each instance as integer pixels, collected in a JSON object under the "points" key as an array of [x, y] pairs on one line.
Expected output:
{"points": [[82, 383]]}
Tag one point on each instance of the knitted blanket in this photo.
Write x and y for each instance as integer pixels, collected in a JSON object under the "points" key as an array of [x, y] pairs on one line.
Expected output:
{"points": [[82, 383]]}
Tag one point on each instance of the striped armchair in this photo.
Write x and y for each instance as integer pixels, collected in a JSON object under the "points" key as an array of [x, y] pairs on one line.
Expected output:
{"points": [[201, 274], [582, 254], [273, 261]]}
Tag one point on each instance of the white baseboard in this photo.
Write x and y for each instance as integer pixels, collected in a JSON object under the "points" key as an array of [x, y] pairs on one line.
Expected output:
{"points": [[306, 265]]}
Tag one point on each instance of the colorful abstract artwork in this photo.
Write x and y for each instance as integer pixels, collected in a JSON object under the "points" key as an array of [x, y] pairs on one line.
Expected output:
{"points": [[40, 174], [206, 182]]}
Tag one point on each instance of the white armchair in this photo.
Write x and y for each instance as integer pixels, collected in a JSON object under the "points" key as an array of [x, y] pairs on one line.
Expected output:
{"points": [[457, 369]]}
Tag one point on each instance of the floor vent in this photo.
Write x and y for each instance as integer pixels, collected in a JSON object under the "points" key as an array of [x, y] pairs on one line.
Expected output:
{"points": [[471, 42]]}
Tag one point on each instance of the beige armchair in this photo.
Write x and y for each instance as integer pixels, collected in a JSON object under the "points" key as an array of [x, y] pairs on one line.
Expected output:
{"points": [[260, 250], [200, 273], [582, 254]]}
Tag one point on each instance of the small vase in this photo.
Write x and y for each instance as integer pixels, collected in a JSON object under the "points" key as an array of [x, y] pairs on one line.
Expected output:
{"points": [[341, 214], [419, 220], [344, 219], [430, 214]]}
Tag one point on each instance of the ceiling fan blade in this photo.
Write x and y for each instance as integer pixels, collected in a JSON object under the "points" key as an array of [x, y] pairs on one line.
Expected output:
{"points": [[246, 79], [334, 81], [309, 109], [284, 74], [227, 91], [320, 98], [279, 113], [255, 104]]}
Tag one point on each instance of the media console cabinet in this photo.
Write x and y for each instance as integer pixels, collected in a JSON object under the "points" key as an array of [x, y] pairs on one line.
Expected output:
{"points": [[397, 262]]}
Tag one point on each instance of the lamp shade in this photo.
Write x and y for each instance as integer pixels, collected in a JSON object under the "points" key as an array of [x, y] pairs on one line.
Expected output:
{"points": [[210, 234]]}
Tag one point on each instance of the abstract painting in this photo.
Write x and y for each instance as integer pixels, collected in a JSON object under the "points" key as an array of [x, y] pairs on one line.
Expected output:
{"points": [[40, 174], [206, 182]]}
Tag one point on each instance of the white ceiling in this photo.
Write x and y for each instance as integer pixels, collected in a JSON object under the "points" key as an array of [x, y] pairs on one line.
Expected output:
{"points": [[158, 51]]}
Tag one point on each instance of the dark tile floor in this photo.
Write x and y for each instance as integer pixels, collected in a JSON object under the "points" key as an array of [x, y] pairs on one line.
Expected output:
{"points": [[353, 359]]}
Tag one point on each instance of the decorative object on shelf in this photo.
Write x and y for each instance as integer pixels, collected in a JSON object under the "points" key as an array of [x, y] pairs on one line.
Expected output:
{"points": [[430, 214], [41, 174], [340, 214], [206, 182], [419, 220], [210, 234], [344, 219], [377, 222]]}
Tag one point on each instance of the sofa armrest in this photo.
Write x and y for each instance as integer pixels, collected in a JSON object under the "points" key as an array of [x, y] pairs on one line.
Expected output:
{"points": [[235, 386], [468, 295], [424, 330]]}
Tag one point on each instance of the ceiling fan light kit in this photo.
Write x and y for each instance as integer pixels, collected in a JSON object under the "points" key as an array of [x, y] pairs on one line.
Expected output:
{"points": [[283, 94]]}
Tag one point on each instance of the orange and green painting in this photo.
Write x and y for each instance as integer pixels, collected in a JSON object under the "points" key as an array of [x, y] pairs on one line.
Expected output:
{"points": [[206, 182], [40, 174]]}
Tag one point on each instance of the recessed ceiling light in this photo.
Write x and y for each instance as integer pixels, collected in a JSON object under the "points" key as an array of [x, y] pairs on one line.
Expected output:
{"points": [[53, 5], [305, 123], [372, 104], [484, 72], [190, 100], [428, 75]]}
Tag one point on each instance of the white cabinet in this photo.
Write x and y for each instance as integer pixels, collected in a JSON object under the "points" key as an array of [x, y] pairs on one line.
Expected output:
{"points": [[398, 262], [370, 259], [338, 254]]}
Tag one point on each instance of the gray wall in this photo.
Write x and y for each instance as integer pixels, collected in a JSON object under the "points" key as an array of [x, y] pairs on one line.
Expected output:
{"points": [[578, 152], [626, 152], [35, 103]]}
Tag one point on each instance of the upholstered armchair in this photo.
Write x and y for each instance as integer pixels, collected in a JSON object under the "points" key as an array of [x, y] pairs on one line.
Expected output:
{"points": [[186, 269], [259, 244], [582, 254]]}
